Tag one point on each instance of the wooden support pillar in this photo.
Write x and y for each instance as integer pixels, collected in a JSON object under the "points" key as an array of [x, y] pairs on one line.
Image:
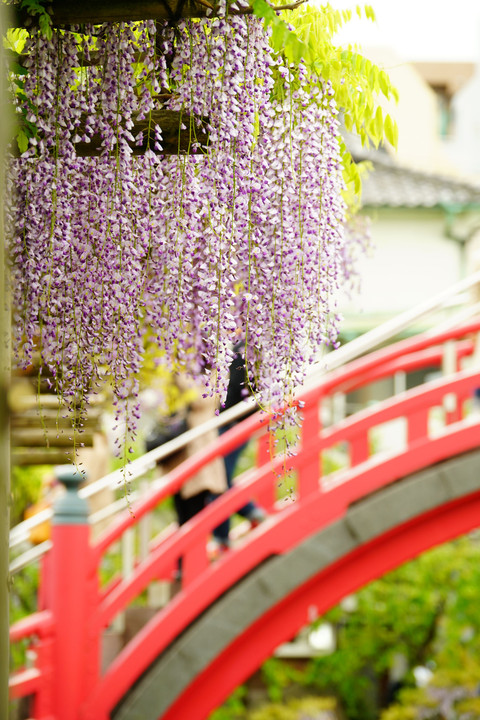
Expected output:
{"points": [[5, 122]]}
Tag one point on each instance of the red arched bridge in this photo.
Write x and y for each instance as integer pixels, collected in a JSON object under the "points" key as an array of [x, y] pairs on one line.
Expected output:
{"points": [[329, 536]]}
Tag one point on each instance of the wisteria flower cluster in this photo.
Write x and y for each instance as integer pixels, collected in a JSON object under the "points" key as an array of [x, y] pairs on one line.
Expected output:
{"points": [[243, 238]]}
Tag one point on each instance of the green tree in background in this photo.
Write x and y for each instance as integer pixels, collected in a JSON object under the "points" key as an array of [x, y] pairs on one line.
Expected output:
{"points": [[422, 615], [425, 613]]}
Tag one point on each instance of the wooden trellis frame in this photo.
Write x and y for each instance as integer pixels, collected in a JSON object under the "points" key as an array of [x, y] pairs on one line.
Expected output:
{"points": [[181, 133], [71, 12]]}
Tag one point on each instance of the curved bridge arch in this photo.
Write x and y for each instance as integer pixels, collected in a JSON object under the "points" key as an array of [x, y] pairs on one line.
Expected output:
{"points": [[342, 531], [235, 635]]}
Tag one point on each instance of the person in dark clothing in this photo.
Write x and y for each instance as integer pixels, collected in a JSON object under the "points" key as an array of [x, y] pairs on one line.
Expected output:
{"points": [[236, 392]]}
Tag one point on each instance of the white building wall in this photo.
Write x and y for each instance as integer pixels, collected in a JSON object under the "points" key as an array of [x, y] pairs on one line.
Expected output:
{"points": [[416, 113], [463, 146], [411, 261]]}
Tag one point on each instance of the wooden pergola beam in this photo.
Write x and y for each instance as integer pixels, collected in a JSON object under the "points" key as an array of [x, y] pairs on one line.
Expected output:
{"points": [[71, 12], [179, 133], [96, 12]]}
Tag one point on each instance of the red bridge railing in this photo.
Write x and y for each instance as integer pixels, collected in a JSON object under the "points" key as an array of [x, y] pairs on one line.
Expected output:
{"points": [[66, 682]]}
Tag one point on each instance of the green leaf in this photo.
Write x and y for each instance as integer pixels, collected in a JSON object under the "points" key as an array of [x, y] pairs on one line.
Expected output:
{"points": [[19, 69], [263, 10], [279, 35], [391, 131], [379, 123], [348, 122], [373, 77], [384, 83], [45, 23], [15, 39], [295, 50], [22, 141]]}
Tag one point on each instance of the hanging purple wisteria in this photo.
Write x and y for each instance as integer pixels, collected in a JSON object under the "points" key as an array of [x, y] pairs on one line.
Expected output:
{"points": [[242, 234]]}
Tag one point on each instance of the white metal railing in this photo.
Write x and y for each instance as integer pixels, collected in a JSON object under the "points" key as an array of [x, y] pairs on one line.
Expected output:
{"points": [[335, 359]]}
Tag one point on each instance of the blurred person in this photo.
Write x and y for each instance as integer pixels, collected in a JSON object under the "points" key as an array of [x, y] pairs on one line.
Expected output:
{"points": [[211, 480], [236, 392]]}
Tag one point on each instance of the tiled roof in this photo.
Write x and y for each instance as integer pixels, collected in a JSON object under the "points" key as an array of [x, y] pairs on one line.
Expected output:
{"points": [[389, 185]]}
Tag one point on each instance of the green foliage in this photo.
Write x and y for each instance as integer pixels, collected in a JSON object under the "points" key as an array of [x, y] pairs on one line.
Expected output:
{"points": [[37, 9], [23, 594], [307, 34], [413, 700], [356, 81], [427, 611], [233, 708], [279, 675], [457, 702], [14, 42], [469, 709], [26, 484], [309, 708], [284, 39]]}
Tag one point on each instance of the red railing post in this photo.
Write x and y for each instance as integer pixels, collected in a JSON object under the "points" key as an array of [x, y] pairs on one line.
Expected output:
{"points": [[417, 425], [359, 449], [68, 597]]}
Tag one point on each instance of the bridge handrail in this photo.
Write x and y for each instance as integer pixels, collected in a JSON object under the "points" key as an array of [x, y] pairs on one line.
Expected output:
{"points": [[386, 331], [40, 623], [172, 481], [241, 432], [416, 360], [411, 401], [325, 384], [201, 525], [337, 379], [163, 557], [194, 551], [274, 539], [136, 468], [333, 360]]}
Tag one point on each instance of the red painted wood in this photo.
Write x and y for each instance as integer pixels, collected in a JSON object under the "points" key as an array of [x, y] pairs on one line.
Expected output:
{"points": [[39, 624], [43, 699], [367, 563], [69, 666], [359, 449], [280, 534], [68, 590], [417, 425], [24, 682]]}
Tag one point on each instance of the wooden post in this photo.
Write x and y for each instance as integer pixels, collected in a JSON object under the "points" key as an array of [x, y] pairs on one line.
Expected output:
{"points": [[5, 120]]}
